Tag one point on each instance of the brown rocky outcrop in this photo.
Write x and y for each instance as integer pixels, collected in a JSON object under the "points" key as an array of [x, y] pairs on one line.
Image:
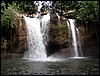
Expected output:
{"points": [[19, 33], [58, 34]]}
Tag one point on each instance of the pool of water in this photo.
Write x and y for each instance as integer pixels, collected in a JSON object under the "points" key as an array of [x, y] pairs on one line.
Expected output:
{"points": [[70, 66]]}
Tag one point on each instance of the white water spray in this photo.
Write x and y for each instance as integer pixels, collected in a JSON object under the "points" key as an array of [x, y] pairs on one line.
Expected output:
{"points": [[79, 42], [37, 39], [37, 34], [71, 27], [45, 22], [36, 48]]}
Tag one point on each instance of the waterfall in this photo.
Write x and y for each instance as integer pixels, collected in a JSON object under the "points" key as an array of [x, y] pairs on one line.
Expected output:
{"points": [[37, 33], [79, 42], [58, 16], [37, 36], [73, 32], [58, 19], [45, 22], [59, 25]]}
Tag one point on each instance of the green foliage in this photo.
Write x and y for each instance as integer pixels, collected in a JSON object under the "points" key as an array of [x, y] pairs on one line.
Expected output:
{"points": [[6, 24], [65, 30], [24, 6], [85, 11], [5, 5], [6, 19], [63, 5], [6, 29]]}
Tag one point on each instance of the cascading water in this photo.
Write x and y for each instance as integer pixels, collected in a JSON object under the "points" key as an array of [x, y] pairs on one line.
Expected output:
{"points": [[79, 42], [59, 24], [37, 35], [36, 48], [72, 31], [58, 16], [45, 22]]}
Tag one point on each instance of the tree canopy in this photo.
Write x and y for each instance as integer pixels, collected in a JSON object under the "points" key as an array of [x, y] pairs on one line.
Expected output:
{"points": [[85, 11]]}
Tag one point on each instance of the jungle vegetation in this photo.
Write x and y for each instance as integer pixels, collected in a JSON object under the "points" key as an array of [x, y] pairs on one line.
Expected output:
{"points": [[86, 12]]}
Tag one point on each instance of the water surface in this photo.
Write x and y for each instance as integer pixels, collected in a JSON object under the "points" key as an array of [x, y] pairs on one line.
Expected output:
{"points": [[87, 66]]}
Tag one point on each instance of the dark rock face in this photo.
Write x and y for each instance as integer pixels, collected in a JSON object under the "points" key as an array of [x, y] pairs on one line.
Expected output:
{"points": [[19, 34], [58, 34], [90, 48]]}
